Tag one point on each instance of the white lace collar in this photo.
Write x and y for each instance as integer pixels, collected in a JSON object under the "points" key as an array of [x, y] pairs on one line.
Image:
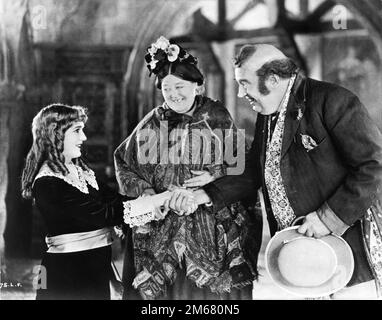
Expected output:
{"points": [[86, 177]]}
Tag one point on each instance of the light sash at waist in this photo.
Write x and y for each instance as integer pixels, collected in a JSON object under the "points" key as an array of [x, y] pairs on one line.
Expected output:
{"points": [[81, 241]]}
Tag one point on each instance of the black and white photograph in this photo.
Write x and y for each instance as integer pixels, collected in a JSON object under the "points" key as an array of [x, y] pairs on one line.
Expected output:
{"points": [[209, 152]]}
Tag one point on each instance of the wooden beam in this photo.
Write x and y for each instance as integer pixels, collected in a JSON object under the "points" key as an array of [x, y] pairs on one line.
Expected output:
{"points": [[282, 11], [222, 14], [321, 10], [308, 26], [304, 7], [222, 26]]}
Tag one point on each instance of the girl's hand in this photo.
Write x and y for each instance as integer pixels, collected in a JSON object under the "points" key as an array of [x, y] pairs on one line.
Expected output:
{"points": [[160, 213]]}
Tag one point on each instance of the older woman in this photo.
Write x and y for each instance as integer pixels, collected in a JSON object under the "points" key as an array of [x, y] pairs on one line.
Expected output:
{"points": [[191, 253], [77, 208]]}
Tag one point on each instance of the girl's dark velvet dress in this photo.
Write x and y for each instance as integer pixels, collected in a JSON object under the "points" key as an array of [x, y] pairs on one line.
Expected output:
{"points": [[67, 209]]}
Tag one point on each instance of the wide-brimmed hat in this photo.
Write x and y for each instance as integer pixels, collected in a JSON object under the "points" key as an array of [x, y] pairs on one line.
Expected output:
{"points": [[306, 266]]}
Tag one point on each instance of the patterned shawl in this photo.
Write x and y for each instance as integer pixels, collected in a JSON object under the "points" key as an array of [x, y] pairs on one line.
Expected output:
{"points": [[208, 244]]}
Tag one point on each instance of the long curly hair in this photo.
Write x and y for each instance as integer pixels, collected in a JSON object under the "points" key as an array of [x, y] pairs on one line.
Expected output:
{"points": [[48, 130]]}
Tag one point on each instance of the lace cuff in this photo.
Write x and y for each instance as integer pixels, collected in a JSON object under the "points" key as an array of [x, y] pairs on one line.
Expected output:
{"points": [[140, 211], [138, 221]]}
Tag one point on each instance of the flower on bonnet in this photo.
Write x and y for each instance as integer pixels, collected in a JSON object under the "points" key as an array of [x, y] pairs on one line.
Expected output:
{"points": [[162, 43], [152, 50], [162, 52], [173, 52], [153, 64]]}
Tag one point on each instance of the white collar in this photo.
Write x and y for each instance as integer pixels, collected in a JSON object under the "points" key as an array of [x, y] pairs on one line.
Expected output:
{"points": [[86, 177]]}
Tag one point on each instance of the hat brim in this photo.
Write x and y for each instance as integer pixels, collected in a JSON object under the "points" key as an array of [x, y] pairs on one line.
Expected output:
{"points": [[339, 279]]}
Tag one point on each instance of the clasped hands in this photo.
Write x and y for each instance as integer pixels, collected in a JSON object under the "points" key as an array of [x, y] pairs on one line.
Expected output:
{"points": [[183, 200]]}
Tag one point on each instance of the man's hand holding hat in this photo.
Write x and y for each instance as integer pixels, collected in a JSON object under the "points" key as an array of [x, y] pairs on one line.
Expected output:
{"points": [[313, 226]]}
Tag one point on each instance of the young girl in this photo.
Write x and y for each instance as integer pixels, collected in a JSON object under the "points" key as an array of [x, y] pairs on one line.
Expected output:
{"points": [[77, 208]]}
